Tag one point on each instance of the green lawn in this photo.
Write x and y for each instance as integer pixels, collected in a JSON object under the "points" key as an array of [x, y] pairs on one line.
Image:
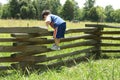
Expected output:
{"points": [[103, 69], [91, 70]]}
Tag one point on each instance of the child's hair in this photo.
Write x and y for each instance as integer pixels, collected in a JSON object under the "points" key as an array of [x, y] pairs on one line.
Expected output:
{"points": [[45, 12]]}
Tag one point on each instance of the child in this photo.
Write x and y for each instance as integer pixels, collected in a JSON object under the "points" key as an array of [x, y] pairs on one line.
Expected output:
{"points": [[58, 24]]}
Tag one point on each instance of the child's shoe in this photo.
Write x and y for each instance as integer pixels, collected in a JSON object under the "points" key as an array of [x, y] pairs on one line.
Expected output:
{"points": [[55, 47]]}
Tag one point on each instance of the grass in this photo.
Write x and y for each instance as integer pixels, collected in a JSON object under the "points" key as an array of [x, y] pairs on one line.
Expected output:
{"points": [[103, 69], [92, 70]]}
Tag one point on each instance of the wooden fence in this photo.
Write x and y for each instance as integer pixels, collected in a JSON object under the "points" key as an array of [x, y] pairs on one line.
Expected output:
{"points": [[29, 46], [108, 37]]}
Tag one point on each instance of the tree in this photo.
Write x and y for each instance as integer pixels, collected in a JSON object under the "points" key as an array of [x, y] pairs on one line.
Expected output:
{"points": [[26, 9], [88, 5], [96, 14], [24, 12], [68, 10], [24, 3], [108, 10], [81, 14], [77, 12], [116, 15], [14, 8], [40, 5], [31, 12], [6, 12], [52, 5], [0, 10]]}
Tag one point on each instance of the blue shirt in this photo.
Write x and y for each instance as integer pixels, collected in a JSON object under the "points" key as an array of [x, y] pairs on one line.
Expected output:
{"points": [[56, 20]]}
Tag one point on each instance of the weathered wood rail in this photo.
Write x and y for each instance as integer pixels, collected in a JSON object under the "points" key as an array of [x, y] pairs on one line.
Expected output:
{"points": [[29, 46], [108, 38]]}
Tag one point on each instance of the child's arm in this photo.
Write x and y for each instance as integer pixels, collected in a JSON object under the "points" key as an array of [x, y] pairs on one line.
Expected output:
{"points": [[52, 25], [48, 23]]}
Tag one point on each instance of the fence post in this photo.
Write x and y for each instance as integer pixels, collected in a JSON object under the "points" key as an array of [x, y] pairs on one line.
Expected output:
{"points": [[98, 40], [97, 53]]}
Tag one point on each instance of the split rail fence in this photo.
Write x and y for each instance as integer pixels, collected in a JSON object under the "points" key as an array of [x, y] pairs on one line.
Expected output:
{"points": [[29, 46]]}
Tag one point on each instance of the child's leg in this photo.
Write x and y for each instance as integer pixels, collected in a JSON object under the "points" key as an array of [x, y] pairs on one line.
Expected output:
{"points": [[57, 41], [58, 34]]}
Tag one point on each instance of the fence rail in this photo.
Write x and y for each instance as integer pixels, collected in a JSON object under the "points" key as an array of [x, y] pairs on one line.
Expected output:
{"points": [[28, 46]]}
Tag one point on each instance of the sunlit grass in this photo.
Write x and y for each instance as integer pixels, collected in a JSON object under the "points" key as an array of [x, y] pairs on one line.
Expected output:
{"points": [[91, 70]]}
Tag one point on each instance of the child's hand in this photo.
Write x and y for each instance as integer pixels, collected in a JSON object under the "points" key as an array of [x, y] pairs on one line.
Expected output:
{"points": [[46, 27], [43, 27]]}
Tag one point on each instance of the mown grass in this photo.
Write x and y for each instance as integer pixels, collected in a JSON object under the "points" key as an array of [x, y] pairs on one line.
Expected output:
{"points": [[104, 69]]}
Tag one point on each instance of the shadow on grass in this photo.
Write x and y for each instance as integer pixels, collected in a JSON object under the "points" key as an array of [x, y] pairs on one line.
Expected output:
{"points": [[104, 56], [70, 63], [55, 66]]}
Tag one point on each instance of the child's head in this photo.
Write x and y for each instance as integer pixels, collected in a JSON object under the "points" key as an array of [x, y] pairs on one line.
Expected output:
{"points": [[45, 13]]}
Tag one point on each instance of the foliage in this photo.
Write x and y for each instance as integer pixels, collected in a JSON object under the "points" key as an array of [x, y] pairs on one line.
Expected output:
{"points": [[88, 5], [14, 8], [0, 10], [24, 12], [108, 10], [116, 15], [68, 10], [96, 14], [6, 11], [52, 5], [32, 9]]}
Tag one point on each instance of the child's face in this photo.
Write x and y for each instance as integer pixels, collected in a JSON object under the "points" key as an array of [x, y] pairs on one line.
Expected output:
{"points": [[45, 16]]}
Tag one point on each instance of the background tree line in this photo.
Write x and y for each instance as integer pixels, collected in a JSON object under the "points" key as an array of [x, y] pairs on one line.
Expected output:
{"points": [[31, 9]]}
